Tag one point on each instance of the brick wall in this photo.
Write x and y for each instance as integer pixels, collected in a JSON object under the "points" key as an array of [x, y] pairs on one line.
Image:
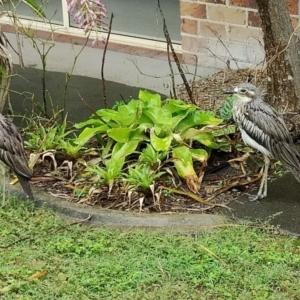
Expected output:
{"points": [[220, 30]]}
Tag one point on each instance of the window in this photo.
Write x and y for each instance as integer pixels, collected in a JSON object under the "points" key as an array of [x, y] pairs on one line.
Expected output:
{"points": [[52, 9], [133, 18], [141, 18]]}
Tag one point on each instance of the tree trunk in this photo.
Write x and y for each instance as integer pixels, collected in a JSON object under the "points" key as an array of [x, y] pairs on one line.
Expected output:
{"points": [[283, 60]]}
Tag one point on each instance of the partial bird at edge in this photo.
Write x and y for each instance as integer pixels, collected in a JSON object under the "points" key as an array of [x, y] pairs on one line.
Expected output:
{"points": [[12, 153]]}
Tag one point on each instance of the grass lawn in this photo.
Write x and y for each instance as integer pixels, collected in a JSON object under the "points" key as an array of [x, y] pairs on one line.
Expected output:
{"points": [[83, 262]]}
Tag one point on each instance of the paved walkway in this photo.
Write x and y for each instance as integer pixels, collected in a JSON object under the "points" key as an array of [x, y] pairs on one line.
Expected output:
{"points": [[281, 207]]}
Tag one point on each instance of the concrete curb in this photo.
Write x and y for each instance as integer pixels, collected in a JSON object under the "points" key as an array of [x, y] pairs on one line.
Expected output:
{"points": [[120, 219]]}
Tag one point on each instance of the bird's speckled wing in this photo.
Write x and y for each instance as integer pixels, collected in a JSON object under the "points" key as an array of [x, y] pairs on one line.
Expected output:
{"points": [[264, 125], [12, 149]]}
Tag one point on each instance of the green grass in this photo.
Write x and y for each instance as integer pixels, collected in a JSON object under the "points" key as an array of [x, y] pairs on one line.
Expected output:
{"points": [[83, 262]]}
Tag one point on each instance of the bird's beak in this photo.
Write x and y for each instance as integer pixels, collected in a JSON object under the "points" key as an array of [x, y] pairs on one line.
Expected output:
{"points": [[231, 92]]}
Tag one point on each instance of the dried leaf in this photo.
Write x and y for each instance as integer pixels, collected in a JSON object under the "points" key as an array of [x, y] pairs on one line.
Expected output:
{"points": [[37, 275], [243, 158], [191, 195], [51, 155]]}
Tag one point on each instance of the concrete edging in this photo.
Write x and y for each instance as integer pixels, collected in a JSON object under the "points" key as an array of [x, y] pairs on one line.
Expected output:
{"points": [[120, 219]]}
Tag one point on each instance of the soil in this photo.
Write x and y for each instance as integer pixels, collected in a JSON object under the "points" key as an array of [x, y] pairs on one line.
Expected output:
{"points": [[222, 182], [219, 175]]}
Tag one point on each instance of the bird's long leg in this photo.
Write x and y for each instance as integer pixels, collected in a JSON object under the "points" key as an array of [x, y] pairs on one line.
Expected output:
{"points": [[3, 171], [262, 192]]}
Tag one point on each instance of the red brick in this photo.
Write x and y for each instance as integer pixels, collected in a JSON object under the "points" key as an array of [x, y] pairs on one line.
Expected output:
{"points": [[204, 60], [194, 10], [245, 34], [226, 14], [240, 52], [254, 19], [215, 30], [194, 44], [189, 58], [189, 26], [214, 1], [244, 3], [218, 48], [292, 7]]}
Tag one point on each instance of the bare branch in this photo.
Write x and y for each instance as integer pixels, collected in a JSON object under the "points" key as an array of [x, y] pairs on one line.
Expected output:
{"points": [[103, 61]]}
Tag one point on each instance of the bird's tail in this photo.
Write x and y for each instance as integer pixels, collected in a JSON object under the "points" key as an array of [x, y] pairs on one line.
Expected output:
{"points": [[25, 183], [295, 172]]}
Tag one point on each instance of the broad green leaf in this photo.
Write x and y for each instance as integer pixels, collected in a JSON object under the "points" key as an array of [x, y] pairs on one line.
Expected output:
{"points": [[120, 150], [183, 161], [198, 118], [139, 133], [110, 114], [175, 106], [93, 122], [149, 99], [115, 119], [144, 119], [190, 133], [88, 132], [178, 138], [128, 113], [206, 139], [159, 116], [161, 131], [120, 135], [178, 118], [199, 154], [160, 144], [123, 135]]}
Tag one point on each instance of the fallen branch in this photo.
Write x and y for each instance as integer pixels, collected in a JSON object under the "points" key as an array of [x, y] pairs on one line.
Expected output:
{"points": [[231, 185], [193, 196]]}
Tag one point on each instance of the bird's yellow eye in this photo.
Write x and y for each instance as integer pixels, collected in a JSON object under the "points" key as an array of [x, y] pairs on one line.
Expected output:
{"points": [[243, 91]]}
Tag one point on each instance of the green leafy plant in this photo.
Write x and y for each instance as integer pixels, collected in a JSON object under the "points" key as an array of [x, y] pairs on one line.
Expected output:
{"points": [[141, 176], [108, 173], [46, 135], [226, 108], [111, 168], [161, 125], [152, 157], [156, 137], [35, 7]]}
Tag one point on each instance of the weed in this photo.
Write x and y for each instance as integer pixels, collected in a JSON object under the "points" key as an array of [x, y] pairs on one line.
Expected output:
{"points": [[83, 262]]}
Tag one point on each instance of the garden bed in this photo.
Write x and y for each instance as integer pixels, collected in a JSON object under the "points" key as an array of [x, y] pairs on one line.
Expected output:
{"points": [[220, 155]]}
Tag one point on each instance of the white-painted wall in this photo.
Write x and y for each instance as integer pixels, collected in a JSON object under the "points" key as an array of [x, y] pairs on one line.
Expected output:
{"points": [[132, 70]]}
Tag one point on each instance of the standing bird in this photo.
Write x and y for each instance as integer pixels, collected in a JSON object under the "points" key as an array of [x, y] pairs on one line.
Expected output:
{"points": [[12, 153], [264, 129]]}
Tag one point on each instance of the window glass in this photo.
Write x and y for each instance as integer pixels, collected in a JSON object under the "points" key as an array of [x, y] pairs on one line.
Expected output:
{"points": [[141, 18], [52, 9]]}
